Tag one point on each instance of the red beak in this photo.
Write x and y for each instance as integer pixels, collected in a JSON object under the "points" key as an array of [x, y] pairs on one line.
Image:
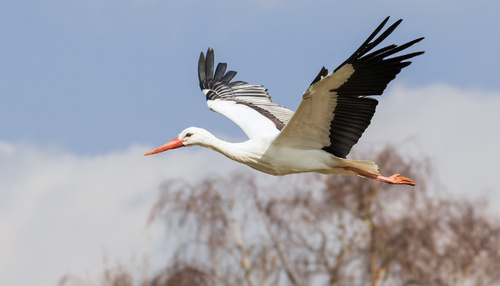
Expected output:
{"points": [[176, 143]]}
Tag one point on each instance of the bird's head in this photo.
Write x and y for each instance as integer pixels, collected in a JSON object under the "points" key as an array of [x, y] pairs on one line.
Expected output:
{"points": [[188, 137]]}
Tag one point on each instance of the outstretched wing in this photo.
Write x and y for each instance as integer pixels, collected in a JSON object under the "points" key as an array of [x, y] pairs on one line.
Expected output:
{"points": [[249, 106], [335, 110]]}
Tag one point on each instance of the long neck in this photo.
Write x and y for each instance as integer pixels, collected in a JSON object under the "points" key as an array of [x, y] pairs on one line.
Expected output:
{"points": [[242, 152]]}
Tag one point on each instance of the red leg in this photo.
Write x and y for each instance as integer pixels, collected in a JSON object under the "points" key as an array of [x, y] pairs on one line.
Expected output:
{"points": [[394, 179]]}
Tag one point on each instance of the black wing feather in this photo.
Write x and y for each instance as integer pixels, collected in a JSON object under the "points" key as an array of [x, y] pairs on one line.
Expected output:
{"points": [[201, 69], [372, 74], [209, 65], [228, 77], [219, 72]]}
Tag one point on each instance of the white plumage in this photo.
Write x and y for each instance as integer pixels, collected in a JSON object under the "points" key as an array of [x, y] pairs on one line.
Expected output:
{"points": [[334, 112]]}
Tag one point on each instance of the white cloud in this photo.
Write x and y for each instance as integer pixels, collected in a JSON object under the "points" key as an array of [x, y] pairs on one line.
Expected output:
{"points": [[60, 213], [457, 129]]}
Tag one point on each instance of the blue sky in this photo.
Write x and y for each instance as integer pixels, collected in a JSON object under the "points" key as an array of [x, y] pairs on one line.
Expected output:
{"points": [[93, 76], [87, 87]]}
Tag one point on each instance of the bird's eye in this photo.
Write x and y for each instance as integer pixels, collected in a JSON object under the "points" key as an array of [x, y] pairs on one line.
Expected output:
{"points": [[188, 135]]}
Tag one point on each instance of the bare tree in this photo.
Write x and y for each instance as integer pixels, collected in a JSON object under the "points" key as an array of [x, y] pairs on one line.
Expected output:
{"points": [[332, 230], [247, 229]]}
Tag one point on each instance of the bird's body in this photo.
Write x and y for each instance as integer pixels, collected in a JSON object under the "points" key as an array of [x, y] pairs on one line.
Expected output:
{"points": [[261, 154], [332, 116]]}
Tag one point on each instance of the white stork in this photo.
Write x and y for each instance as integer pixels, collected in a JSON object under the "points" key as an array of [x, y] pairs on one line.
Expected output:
{"points": [[332, 116]]}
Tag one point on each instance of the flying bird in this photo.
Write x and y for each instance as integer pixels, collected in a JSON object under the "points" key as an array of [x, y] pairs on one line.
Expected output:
{"points": [[334, 112]]}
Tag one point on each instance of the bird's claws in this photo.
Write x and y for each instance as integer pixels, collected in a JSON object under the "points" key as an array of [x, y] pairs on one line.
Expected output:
{"points": [[396, 179]]}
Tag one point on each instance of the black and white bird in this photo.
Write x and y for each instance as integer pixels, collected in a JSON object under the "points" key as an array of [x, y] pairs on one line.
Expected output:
{"points": [[334, 112]]}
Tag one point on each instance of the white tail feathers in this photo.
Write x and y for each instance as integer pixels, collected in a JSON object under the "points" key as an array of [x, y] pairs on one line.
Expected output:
{"points": [[366, 166]]}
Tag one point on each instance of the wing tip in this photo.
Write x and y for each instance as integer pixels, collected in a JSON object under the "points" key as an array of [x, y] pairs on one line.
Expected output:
{"points": [[201, 69], [207, 73]]}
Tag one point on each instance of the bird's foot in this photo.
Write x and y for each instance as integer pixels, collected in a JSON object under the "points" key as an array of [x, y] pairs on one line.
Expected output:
{"points": [[395, 179]]}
